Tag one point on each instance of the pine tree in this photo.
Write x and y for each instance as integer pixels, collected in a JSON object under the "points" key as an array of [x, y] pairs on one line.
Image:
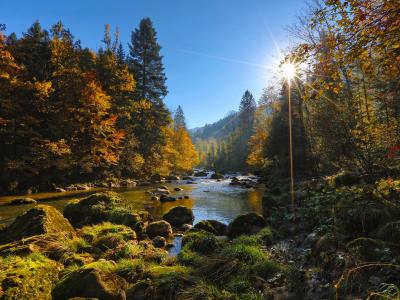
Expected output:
{"points": [[179, 118], [145, 62]]}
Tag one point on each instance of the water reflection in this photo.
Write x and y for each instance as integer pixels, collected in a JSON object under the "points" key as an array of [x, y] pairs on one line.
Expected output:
{"points": [[209, 199]]}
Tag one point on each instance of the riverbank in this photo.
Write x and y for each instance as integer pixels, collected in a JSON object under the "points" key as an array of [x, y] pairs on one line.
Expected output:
{"points": [[340, 242], [101, 248]]}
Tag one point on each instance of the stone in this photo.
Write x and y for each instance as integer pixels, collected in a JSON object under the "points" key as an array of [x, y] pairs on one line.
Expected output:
{"points": [[159, 228], [249, 223], [156, 177], [172, 177], [60, 190], [159, 242], [217, 176], [187, 178], [201, 174], [186, 227], [212, 226], [103, 207], [161, 191], [164, 198], [90, 283], [42, 219], [178, 189], [179, 215], [21, 201], [155, 198], [186, 197]]}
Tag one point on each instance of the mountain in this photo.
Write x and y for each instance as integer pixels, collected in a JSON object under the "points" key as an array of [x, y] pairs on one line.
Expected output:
{"points": [[217, 130]]}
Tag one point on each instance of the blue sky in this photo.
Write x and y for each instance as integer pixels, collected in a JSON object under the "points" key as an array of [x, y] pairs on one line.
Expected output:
{"points": [[213, 49]]}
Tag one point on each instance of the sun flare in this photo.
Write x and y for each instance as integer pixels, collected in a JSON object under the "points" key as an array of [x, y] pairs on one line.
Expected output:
{"points": [[289, 70]]}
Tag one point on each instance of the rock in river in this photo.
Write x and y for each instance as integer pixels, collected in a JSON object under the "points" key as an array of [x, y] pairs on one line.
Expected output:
{"points": [[159, 228], [21, 201], [179, 215], [41, 219], [213, 226], [249, 223]]}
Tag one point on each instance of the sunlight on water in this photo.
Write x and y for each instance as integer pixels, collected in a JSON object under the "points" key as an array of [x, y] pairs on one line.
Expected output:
{"points": [[209, 199]]}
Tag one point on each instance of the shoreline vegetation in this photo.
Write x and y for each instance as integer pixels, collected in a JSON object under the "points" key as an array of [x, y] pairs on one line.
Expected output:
{"points": [[69, 115]]}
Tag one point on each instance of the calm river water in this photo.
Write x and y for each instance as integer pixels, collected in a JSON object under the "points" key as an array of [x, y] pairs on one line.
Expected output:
{"points": [[209, 199]]}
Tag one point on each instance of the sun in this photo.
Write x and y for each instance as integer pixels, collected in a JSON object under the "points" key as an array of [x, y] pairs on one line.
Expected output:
{"points": [[289, 70]]}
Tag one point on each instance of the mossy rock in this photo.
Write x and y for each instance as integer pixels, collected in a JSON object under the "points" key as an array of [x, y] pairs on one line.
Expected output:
{"points": [[159, 228], [90, 282], [213, 226], [202, 242], [42, 219], [30, 277], [103, 207], [249, 223], [179, 215]]}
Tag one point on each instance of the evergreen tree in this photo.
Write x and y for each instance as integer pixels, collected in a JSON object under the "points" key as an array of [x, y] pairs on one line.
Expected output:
{"points": [[179, 118], [145, 62]]}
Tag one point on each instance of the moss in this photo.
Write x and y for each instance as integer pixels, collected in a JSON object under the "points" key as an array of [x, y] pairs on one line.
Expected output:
{"points": [[206, 226], [264, 269], [41, 219], [267, 236], [202, 242], [130, 269], [102, 207], [244, 253], [31, 277], [92, 233]]}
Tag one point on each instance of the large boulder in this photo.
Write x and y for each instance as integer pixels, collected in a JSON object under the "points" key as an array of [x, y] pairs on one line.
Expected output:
{"points": [[179, 215], [213, 226], [159, 228], [41, 219], [90, 283], [249, 223], [103, 207]]}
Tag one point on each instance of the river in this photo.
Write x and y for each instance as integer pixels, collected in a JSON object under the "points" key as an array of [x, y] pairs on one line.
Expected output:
{"points": [[209, 199]]}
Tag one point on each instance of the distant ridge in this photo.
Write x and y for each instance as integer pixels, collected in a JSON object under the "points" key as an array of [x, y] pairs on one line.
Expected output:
{"points": [[217, 130]]}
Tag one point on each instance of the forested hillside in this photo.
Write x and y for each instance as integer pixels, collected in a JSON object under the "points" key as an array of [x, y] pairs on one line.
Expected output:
{"points": [[70, 114]]}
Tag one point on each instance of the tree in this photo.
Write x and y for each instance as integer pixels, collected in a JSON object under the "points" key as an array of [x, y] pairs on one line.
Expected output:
{"points": [[145, 62], [179, 118]]}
